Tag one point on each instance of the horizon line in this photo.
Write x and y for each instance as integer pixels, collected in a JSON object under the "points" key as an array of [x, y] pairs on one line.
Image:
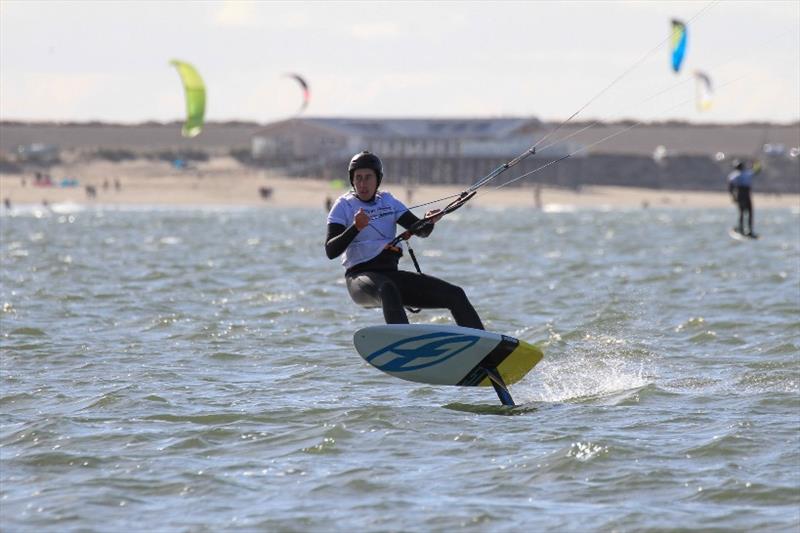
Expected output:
{"points": [[252, 123]]}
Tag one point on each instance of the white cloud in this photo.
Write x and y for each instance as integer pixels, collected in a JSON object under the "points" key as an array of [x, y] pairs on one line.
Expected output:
{"points": [[236, 13], [372, 30], [60, 96]]}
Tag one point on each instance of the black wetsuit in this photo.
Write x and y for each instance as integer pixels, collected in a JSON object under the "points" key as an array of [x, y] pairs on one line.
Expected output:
{"points": [[739, 182], [745, 204], [379, 283]]}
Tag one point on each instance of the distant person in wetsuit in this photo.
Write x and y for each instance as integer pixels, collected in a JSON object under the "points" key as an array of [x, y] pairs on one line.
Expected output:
{"points": [[361, 224], [740, 180]]}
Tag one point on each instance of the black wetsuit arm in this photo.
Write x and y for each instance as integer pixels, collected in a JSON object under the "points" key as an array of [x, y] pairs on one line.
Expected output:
{"points": [[338, 239], [408, 219]]}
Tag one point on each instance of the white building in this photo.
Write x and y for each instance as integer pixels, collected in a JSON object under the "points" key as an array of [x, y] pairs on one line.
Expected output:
{"points": [[312, 137], [430, 149]]}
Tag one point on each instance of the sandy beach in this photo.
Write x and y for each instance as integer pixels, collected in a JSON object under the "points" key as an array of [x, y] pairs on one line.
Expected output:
{"points": [[223, 181]]}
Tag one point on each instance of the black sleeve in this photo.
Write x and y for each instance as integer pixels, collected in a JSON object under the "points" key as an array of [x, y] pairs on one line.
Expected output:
{"points": [[408, 219], [338, 239]]}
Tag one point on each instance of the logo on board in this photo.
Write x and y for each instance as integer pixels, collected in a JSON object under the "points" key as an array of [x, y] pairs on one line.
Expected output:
{"points": [[421, 351]]}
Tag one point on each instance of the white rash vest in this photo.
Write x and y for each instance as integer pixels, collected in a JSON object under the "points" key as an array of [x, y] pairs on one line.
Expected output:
{"points": [[383, 211]]}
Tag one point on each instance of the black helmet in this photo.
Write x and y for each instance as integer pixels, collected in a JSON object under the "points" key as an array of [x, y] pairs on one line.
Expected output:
{"points": [[737, 164], [365, 159]]}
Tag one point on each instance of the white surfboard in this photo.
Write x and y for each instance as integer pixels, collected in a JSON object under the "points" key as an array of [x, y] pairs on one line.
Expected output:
{"points": [[736, 235], [447, 355]]}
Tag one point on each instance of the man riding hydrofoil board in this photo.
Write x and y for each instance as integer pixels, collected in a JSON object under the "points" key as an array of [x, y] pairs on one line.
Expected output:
{"points": [[361, 228]]}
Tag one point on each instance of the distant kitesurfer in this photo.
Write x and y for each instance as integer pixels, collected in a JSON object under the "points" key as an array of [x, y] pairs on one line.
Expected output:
{"points": [[740, 180], [361, 225]]}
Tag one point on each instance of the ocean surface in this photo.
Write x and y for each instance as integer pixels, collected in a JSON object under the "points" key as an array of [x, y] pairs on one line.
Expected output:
{"points": [[192, 370]]}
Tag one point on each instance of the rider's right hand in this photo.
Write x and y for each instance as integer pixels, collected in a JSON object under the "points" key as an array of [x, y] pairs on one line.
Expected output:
{"points": [[361, 220]]}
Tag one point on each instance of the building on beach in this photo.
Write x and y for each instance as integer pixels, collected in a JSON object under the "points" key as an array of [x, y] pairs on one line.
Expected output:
{"points": [[426, 150]]}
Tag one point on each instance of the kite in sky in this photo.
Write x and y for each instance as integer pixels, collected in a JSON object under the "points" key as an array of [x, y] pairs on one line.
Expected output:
{"points": [[195, 98], [704, 90], [679, 34], [306, 91]]}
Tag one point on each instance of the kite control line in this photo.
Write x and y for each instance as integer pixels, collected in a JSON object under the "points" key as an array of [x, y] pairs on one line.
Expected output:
{"points": [[678, 41], [678, 38], [460, 199]]}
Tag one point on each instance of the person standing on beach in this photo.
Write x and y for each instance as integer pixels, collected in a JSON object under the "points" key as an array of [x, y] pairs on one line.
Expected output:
{"points": [[361, 226], [740, 180]]}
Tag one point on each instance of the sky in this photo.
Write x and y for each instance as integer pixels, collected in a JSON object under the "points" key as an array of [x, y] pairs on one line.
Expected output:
{"points": [[109, 61]]}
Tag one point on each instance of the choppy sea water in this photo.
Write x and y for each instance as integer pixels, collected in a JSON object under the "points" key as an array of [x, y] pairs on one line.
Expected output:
{"points": [[193, 370]]}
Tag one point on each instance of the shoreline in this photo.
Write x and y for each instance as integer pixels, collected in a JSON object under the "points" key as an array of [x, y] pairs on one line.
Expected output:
{"points": [[225, 183]]}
